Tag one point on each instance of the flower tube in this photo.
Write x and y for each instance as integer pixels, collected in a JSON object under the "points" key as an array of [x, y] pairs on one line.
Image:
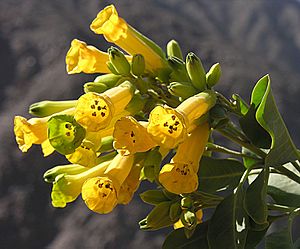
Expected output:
{"points": [[116, 30], [95, 111], [180, 175], [169, 127], [131, 136], [100, 193]]}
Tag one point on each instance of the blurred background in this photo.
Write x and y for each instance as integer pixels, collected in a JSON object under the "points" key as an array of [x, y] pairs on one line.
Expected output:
{"points": [[249, 39]]}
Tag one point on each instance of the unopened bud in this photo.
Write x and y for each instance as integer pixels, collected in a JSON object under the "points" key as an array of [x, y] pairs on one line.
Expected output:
{"points": [[110, 80], [94, 87], [47, 107], [179, 72], [173, 49], [196, 71], [189, 219], [138, 65], [175, 211], [119, 61], [186, 202], [183, 90], [153, 197], [213, 75]]}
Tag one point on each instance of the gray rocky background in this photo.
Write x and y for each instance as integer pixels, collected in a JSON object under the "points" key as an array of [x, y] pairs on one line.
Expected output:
{"points": [[248, 38]]}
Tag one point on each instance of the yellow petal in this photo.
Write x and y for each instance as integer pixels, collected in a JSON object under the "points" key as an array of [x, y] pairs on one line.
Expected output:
{"points": [[99, 194], [116, 30], [84, 58], [178, 178], [28, 132], [167, 127], [47, 148], [130, 136]]}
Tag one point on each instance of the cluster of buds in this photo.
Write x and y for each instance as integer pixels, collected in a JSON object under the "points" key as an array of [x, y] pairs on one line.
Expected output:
{"points": [[144, 117]]}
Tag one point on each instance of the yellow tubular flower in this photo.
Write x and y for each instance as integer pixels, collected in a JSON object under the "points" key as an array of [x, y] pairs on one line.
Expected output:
{"points": [[116, 30], [100, 194], [95, 111], [84, 58], [199, 215], [34, 131], [29, 132], [169, 127], [130, 185], [180, 175], [131, 136], [67, 188]]}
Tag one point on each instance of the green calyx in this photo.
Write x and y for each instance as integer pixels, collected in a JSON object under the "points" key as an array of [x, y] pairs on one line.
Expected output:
{"points": [[65, 134], [118, 61]]}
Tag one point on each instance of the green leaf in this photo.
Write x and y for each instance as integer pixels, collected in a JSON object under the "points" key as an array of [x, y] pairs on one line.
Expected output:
{"points": [[284, 198], [257, 135], [229, 224], [254, 237], [282, 148], [283, 190], [248, 162], [255, 198], [219, 174], [241, 104], [158, 217], [153, 196], [177, 239], [279, 240]]}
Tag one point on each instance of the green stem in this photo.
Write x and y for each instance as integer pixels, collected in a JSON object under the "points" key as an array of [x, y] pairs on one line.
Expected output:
{"points": [[221, 149], [249, 146], [228, 104]]}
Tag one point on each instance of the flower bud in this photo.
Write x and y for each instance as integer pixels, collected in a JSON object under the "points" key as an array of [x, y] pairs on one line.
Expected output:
{"points": [[179, 72], [119, 61], [196, 71], [138, 65], [213, 75], [110, 80], [47, 107], [70, 169], [182, 90], [186, 202], [94, 87], [173, 49]]}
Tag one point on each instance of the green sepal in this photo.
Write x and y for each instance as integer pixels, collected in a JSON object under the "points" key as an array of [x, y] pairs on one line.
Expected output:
{"points": [[158, 217], [151, 167], [173, 49], [136, 104], [118, 61], [196, 71], [65, 134], [138, 65], [179, 72], [213, 75], [47, 107], [70, 169]]}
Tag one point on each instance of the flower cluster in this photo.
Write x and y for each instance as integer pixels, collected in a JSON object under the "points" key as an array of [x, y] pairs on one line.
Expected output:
{"points": [[145, 116]]}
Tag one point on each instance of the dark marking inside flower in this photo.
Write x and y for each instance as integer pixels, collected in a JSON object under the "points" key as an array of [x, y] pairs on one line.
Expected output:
{"points": [[68, 126], [99, 108], [102, 114], [68, 134], [93, 106], [94, 114]]}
